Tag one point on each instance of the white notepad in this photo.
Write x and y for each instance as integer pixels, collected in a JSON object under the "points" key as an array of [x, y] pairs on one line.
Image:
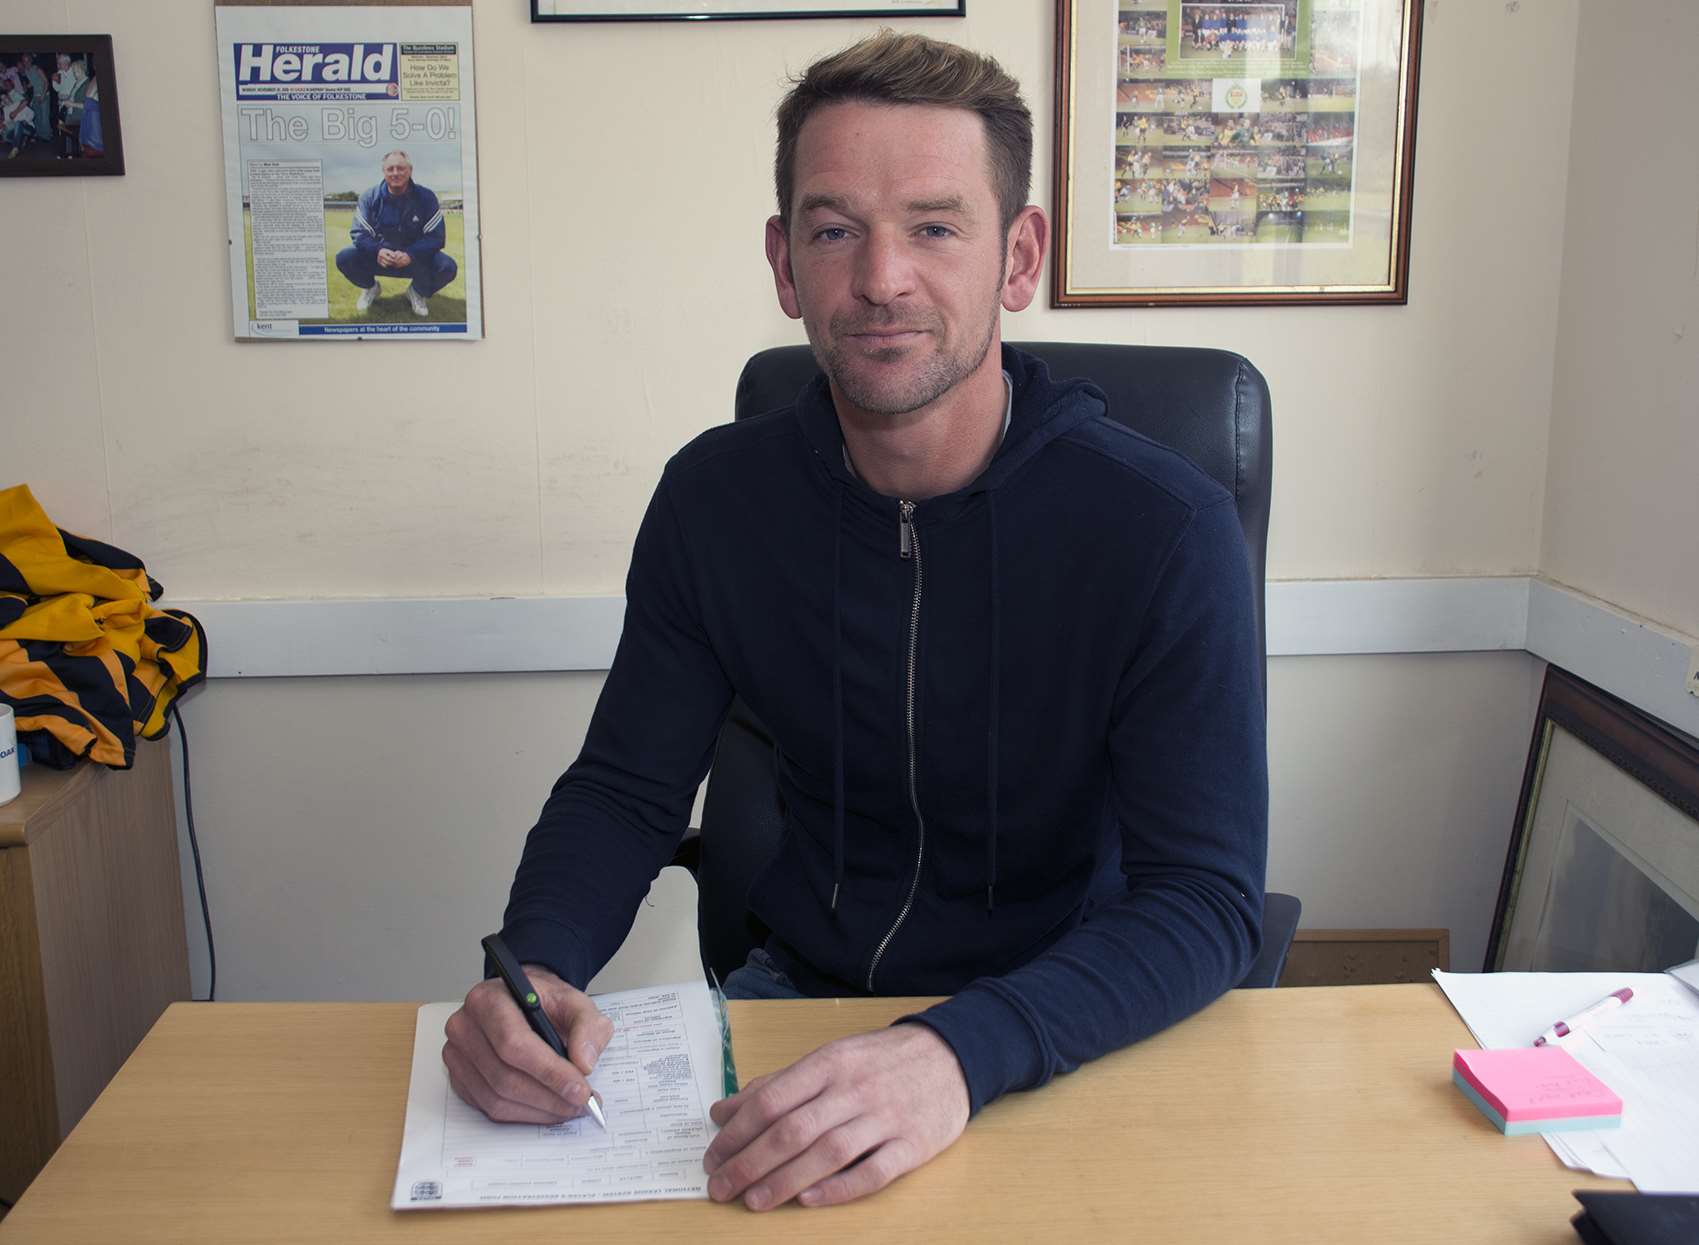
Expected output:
{"points": [[657, 1078], [1647, 1051]]}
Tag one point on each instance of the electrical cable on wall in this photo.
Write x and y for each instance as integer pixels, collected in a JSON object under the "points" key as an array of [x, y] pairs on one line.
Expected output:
{"points": [[195, 849]]}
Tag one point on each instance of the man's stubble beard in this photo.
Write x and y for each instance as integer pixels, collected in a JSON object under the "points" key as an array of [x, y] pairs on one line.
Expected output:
{"points": [[939, 374]]}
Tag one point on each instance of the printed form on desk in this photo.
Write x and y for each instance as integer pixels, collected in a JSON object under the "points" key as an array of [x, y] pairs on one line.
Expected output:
{"points": [[657, 1078], [1647, 1051]]}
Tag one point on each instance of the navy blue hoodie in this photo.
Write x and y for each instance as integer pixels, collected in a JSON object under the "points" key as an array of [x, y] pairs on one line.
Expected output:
{"points": [[1020, 734]]}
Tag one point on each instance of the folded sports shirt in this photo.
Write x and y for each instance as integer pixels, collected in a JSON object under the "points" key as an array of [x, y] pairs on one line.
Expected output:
{"points": [[86, 661]]}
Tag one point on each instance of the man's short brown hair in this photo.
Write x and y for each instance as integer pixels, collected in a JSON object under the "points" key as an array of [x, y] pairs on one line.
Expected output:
{"points": [[892, 68]]}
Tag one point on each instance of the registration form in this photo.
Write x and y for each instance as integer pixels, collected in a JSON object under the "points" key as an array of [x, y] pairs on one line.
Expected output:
{"points": [[657, 1078]]}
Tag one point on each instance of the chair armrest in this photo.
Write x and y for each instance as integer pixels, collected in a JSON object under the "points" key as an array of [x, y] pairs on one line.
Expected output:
{"points": [[689, 853], [1280, 914]]}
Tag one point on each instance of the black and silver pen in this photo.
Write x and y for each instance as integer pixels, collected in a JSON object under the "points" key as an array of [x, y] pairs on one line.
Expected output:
{"points": [[519, 986]]}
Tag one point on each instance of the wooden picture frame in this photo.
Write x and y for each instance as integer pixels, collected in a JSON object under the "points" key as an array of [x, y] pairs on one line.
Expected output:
{"points": [[736, 10], [1603, 868], [82, 136], [1234, 152]]}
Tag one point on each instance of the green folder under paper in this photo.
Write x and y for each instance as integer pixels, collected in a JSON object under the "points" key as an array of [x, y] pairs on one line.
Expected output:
{"points": [[728, 1065]]}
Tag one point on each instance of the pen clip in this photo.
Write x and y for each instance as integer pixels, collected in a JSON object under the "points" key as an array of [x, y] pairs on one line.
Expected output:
{"points": [[518, 985], [523, 994]]}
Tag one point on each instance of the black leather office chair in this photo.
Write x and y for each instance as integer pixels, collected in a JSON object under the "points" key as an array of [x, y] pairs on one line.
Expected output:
{"points": [[1211, 405]]}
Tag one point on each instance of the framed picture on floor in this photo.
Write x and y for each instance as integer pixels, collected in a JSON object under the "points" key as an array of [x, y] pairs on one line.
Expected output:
{"points": [[59, 107], [1234, 152], [1603, 869]]}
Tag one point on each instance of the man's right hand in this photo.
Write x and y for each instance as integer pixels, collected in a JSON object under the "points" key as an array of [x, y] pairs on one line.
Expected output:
{"points": [[496, 1063]]}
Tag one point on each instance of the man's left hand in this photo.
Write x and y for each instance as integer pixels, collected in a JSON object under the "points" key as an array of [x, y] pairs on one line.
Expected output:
{"points": [[839, 1123]]}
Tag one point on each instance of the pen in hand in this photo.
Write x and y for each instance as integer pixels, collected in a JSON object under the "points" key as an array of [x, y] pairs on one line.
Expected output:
{"points": [[1563, 1028], [531, 1006]]}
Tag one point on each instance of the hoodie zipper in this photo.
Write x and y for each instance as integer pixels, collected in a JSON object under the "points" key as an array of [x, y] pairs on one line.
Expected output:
{"points": [[908, 546]]}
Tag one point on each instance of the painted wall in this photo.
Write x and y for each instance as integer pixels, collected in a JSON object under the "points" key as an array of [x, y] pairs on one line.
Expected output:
{"points": [[1622, 491], [359, 835], [625, 181]]}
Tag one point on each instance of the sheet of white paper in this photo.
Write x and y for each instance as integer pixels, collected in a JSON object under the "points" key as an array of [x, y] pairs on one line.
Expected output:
{"points": [[657, 1078], [1647, 1052]]}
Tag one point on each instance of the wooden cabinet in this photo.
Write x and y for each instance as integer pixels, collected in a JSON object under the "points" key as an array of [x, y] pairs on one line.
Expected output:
{"points": [[92, 946]]}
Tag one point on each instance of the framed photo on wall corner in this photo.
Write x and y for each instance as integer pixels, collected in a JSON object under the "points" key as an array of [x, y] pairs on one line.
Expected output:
{"points": [[1234, 152], [1603, 869], [59, 107], [735, 10]]}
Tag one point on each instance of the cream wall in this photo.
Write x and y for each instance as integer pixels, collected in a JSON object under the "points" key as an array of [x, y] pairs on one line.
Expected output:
{"points": [[359, 833], [625, 179], [1622, 490]]}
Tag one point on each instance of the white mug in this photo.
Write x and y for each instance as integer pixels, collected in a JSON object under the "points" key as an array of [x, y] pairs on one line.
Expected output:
{"points": [[8, 755]]}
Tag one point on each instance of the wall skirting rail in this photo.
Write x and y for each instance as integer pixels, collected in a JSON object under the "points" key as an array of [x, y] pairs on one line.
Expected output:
{"points": [[1647, 665]]}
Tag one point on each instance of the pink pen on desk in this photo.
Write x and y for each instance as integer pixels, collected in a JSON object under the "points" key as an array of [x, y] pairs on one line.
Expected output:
{"points": [[1563, 1028]]}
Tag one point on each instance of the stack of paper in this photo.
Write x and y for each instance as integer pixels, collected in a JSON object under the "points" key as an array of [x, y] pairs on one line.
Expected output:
{"points": [[1647, 1051], [657, 1078]]}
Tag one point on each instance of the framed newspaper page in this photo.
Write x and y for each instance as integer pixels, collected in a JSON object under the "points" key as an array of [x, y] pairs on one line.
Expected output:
{"points": [[350, 170], [1234, 152], [700, 10]]}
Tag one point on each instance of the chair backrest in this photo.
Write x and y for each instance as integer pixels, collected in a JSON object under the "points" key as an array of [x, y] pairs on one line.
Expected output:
{"points": [[1210, 405]]}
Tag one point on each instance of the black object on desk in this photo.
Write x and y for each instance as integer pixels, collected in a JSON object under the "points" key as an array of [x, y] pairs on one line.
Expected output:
{"points": [[1621, 1218]]}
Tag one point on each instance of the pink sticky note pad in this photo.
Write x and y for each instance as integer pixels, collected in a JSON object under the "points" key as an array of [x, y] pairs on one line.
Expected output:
{"points": [[1534, 1088]]}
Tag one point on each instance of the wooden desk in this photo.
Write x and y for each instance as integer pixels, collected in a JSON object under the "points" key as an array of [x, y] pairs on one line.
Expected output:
{"points": [[1276, 1115]]}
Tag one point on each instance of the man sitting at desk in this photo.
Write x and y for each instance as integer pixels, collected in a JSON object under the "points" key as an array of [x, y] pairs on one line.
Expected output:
{"points": [[1006, 646]]}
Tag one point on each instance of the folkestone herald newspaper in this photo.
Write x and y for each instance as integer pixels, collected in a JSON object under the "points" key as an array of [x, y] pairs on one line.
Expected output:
{"points": [[350, 171]]}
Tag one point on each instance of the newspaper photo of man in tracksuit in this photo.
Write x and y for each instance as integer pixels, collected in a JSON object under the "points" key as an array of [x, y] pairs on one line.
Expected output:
{"points": [[398, 231]]}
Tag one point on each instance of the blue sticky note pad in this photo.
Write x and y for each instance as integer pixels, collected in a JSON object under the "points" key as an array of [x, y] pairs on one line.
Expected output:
{"points": [[1516, 1128], [1534, 1089]]}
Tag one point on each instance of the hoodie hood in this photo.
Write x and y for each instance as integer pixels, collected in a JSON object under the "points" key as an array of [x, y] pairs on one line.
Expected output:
{"points": [[1042, 409]]}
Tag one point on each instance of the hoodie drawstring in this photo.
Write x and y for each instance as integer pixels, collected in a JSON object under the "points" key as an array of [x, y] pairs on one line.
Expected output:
{"points": [[837, 697], [992, 730]]}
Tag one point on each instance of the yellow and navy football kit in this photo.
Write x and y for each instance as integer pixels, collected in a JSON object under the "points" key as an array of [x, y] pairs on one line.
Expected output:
{"points": [[86, 663]]}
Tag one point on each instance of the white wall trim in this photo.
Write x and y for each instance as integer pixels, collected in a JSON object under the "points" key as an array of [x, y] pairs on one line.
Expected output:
{"points": [[1649, 666], [1643, 663], [1322, 617], [268, 639], [473, 635]]}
